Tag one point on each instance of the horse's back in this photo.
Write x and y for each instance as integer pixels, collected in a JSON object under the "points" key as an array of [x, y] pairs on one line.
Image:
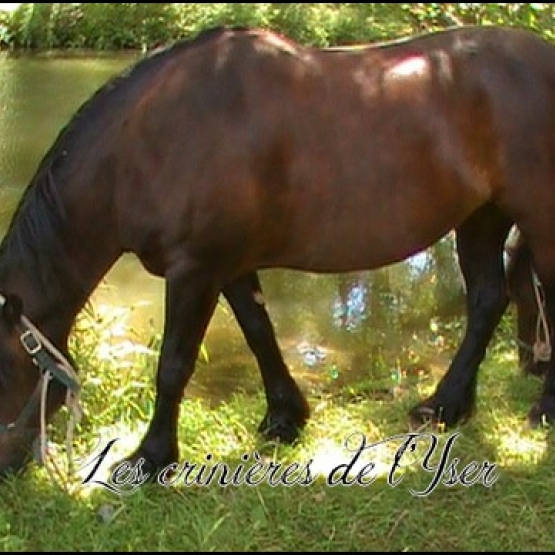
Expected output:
{"points": [[298, 151]]}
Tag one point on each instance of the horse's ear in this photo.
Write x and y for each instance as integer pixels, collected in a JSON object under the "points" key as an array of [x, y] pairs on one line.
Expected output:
{"points": [[12, 310]]}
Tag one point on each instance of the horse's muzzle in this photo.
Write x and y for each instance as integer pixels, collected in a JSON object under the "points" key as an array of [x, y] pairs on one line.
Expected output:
{"points": [[15, 453]]}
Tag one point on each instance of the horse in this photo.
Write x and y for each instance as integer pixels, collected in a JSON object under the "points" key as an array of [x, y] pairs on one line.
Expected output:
{"points": [[240, 150]]}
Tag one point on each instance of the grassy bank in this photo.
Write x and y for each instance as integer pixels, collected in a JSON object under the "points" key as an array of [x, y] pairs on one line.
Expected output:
{"points": [[299, 498]]}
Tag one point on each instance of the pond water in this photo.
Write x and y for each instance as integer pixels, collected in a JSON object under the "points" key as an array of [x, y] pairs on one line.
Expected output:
{"points": [[333, 329]]}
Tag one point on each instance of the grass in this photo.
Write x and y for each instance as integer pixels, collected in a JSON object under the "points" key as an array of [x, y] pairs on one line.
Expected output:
{"points": [[514, 513]]}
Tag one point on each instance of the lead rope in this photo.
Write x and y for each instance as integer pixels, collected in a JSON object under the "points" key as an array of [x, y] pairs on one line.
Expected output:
{"points": [[75, 416], [542, 346], [72, 402], [72, 399], [44, 455], [47, 460]]}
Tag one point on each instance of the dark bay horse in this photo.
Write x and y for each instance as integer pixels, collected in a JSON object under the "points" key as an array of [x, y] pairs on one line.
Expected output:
{"points": [[241, 150]]}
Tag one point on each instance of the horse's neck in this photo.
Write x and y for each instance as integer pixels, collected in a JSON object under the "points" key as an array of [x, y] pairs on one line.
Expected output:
{"points": [[53, 290]]}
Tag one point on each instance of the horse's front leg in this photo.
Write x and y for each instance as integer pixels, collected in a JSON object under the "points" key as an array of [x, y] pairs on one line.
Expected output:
{"points": [[191, 297], [480, 243], [288, 409]]}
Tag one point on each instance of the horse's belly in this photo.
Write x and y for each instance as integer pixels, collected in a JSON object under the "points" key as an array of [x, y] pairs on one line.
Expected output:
{"points": [[358, 244]]}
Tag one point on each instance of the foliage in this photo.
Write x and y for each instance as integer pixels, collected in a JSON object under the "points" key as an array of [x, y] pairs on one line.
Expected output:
{"points": [[5, 33], [143, 26]]}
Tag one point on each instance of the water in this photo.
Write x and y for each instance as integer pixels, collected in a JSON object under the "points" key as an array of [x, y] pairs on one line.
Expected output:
{"points": [[332, 329]]}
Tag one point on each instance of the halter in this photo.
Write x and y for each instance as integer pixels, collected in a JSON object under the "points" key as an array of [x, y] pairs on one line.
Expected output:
{"points": [[53, 366]]}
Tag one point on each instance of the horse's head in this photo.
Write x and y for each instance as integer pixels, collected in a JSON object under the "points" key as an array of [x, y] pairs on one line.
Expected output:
{"points": [[23, 373]]}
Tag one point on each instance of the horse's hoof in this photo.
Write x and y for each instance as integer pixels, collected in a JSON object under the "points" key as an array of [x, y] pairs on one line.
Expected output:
{"points": [[433, 413], [542, 413], [422, 415], [284, 421], [133, 472], [280, 428], [140, 469]]}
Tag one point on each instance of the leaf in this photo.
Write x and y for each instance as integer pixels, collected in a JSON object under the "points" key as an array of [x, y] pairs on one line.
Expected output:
{"points": [[204, 353]]}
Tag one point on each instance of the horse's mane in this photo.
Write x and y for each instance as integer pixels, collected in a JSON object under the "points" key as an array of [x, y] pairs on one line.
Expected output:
{"points": [[39, 213]]}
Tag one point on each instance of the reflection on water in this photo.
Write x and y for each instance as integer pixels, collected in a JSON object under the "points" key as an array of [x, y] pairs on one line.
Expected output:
{"points": [[330, 327], [350, 306]]}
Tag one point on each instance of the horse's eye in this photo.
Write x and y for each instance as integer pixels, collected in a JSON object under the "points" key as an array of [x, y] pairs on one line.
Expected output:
{"points": [[12, 310]]}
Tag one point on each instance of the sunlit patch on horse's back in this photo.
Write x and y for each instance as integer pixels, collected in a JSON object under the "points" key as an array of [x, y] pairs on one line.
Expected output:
{"points": [[412, 66]]}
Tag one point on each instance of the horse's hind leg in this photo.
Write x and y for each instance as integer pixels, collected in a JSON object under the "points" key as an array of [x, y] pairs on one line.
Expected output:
{"points": [[480, 243], [288, 409]]}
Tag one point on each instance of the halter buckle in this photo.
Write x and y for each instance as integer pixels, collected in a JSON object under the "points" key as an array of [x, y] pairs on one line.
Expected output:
{"points": [[30, 342]]}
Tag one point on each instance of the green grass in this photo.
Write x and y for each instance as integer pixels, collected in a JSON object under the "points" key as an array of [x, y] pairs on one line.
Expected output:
{"points": [[515, 513]]}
